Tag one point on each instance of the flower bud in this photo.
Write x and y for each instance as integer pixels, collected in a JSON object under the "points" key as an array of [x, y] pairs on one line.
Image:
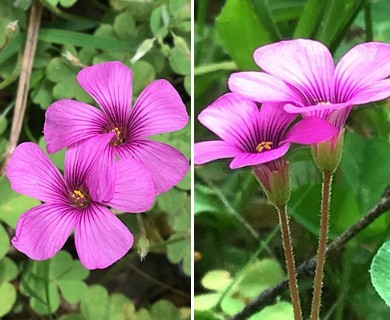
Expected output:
{"points": [[327, 154], [143, 247], [274, 179]]}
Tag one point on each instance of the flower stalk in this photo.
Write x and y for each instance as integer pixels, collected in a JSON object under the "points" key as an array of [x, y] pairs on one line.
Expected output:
{"points": [[321, 252], [290, 262], [274, 179]]}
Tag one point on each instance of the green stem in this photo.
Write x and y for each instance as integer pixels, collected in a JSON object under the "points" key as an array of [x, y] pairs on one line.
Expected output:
{"points": [[319, 273], [225, 65], [368, 20], [290, 263], [263, 245]]}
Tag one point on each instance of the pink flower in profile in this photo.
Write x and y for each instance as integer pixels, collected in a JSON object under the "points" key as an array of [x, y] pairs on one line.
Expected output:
{"points": [[100, 237], [158, 109], [251, 136], [301, 73]]}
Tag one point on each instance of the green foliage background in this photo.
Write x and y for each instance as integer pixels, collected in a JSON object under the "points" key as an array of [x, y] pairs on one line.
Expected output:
{"points": [[235, 227], [152, 38]]}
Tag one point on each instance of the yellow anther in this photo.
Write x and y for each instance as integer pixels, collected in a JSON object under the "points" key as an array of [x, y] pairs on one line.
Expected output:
{"points": [[264, 145], [77, 193], [118, 132]]}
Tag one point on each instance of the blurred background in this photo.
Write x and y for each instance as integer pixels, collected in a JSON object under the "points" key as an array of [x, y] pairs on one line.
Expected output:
{"points": [[234, 224], [152, 38]]}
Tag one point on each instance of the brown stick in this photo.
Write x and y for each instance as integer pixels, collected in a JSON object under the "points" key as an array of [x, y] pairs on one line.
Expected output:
{"points": [[24, 80], [269, 296]]}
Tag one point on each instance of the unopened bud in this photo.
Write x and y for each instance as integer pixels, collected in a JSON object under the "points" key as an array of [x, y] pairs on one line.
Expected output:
{"points": [[72, 59], [143, 49], [11, 27], [143, 247], [327, 154], [274, 178]]}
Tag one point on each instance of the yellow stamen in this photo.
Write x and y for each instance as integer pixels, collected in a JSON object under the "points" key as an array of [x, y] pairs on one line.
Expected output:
{"points": [[264, 145]]}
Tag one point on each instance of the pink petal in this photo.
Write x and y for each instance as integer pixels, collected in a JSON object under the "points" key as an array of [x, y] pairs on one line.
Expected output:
{"points": [[364, 64], [374, 92], [273, 121], [101, 180], [262, 87], [311, 130], [212, 150], [33, 174], [134, 187], [110, 84], [69, 121], [167, 165], [317, 109], [158, 109], [43, 230], [305, 64], [101, 238], [81, 158], [233, 118], [252, 159]]}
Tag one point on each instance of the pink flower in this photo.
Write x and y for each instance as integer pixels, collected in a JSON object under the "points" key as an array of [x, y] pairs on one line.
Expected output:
{"points": [[252, 136], [302, 74], [158, 109], [100, 237]]}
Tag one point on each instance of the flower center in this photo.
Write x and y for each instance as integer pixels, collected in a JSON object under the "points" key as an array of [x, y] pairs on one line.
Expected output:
{"points": [[119, 137], [322, 103], [80, 198], [267, 145]]}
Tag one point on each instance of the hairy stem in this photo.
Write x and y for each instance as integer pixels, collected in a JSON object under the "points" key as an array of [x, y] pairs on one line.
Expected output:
{"points": [[321, 252], [306, 268], [290, 262]]}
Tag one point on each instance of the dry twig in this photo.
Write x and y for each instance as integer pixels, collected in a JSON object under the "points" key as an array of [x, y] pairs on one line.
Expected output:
{"points": [[24, 80]]}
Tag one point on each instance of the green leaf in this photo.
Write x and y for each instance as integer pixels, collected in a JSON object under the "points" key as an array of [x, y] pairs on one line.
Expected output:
{"points": [[217, 280], [71, 317], [58, 158], [279, 311], [337, 18], [365, 168], [7, 297], [241, 32], [57, 71], [143, 74], [4, 242], [206, 315], [259, 276], [79, 39], [13, 204], [310, 19], [305, 203], [72, 290], [124, 25], [8, 270], [67, 3], [380, 272], [164, 309], [121, 308], [94, 303]]}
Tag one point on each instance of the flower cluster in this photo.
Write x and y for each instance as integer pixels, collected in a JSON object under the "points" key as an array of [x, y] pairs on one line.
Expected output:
{"points": [[299, 78], [110, 162]]}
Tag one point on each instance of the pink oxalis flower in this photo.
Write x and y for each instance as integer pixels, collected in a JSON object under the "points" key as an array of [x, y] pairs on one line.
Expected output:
{"points": [[253, 136], [302, 74], [158, 109], [100, 237]]}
